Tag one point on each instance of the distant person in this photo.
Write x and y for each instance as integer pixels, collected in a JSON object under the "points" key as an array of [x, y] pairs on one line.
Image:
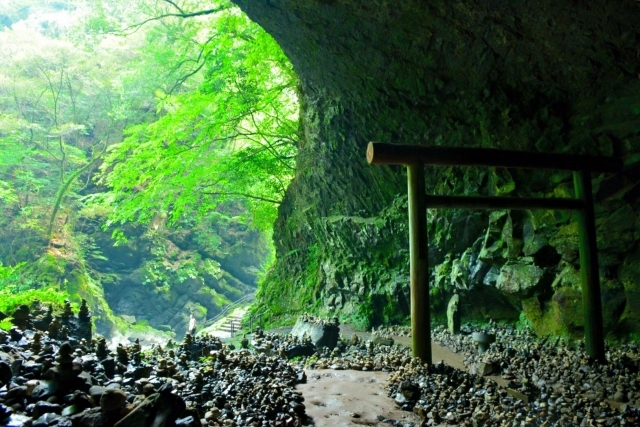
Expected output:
{"points": [[192, 325]]}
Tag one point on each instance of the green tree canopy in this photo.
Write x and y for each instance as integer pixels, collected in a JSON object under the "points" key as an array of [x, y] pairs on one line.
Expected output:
{"points": [[225, 128]]}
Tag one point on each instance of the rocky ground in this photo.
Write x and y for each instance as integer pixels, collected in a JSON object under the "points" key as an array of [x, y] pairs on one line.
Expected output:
{"points": [[519, 381], [392, 331], [72, 382], [52, 377]]}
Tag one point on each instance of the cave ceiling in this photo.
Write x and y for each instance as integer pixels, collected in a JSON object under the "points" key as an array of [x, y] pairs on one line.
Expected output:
{"points": [[427, 53]]}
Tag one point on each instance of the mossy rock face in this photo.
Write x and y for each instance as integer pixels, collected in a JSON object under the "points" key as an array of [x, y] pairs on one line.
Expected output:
{"points": [[630, 319], [442, 274], [135, 278], [484, 303], [404, 85], [48, 270], [533, 240], [546, 318], [494, 250], [565, 241], [630, 272], [124, 257], [521, 278], [179, 270], [614, 302], [81, 285], [563, 315], [567, 303], [630, 278], [615, 233]]}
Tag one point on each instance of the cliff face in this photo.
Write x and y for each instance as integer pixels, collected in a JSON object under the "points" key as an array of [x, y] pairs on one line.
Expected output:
{"points": [[542, 76], [162, 274], [156, 278]]}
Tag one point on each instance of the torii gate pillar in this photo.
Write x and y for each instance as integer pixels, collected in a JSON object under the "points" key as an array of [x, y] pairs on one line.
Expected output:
{"points": [[419, 264]]}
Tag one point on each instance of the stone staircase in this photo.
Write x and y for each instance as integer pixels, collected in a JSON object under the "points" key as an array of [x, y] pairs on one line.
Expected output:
{"points": [[232, 324], [229, 325]]}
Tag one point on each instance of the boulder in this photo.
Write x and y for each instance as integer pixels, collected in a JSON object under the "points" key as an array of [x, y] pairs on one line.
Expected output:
{"points": [[112, 400], [321, 334], [96, 392], [521, 278], [43, 407], [45, 389], [45, 420], [533, 240], [565, 241], [5, 373], [90, 418], [300, 350]]}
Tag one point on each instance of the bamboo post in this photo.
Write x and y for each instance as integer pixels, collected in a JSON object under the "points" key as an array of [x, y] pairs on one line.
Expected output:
{"points": [[419, 263], [591, 303]]}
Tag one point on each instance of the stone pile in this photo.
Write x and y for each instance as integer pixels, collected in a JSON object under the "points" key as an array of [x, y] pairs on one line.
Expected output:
{"points": [[76, 382], [40, 317], [49, 380], [548, 383], [393, 331], [360, 354]]}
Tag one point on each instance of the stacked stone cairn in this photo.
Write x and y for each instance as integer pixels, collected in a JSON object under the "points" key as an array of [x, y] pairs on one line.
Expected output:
{"points": [[80, 382]]}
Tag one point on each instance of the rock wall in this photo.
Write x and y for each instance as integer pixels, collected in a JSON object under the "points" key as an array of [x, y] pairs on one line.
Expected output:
{"points": [[162, 275], [549, 76], [157, 278]]}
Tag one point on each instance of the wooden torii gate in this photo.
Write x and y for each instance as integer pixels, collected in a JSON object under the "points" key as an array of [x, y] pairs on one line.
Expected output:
{"points": [[416, 156]]}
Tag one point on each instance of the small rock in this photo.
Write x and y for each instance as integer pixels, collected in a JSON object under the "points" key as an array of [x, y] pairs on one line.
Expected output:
{"points": [[112, 399]]}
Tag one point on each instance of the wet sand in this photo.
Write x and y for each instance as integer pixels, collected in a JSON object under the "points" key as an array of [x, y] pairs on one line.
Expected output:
{"points": [[350, 398], [332, 397], [357, 398]]}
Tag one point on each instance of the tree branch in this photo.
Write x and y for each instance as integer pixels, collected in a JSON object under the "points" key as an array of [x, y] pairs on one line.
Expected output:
{"points": [[248, 196], [175, 5], [184, 78], [63, 190], [177, 15]]}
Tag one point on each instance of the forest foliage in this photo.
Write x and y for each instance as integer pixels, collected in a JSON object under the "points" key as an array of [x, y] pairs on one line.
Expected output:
{"points": [[108, 108], [136, 113]]}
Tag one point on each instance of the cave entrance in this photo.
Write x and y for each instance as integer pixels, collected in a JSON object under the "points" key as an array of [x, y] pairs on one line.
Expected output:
{"points": [[415, 157]]}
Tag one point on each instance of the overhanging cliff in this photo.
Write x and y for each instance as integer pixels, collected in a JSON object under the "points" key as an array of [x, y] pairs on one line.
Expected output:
{"points": [[550, 76]]}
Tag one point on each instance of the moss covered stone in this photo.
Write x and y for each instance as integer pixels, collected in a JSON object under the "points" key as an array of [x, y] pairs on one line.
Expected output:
{"points": [[521, 278], [630, 278]]}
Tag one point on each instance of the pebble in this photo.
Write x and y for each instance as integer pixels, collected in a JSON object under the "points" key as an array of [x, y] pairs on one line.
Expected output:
{"points": [[73, 382], [201, 382]]}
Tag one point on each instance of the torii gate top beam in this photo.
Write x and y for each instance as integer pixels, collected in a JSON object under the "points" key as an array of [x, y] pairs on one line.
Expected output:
{"points": [[379, 153]]}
